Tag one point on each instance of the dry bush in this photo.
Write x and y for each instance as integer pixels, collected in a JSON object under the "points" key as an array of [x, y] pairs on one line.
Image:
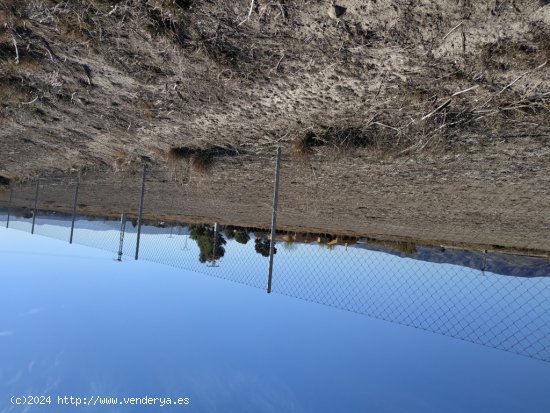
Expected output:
{"points": [[26, 52], [541, 38], [13, 92], [147, 109], [178, 153], [343, 140], [4, 118], [4, 181], [7, 49], [126, 162], [201, 162], [197, 160], [74, 29], [176, 161], [11, 13], [200, 159], [416, 94], [506, 54], [303, 146], [9, 94], [212, 35]]}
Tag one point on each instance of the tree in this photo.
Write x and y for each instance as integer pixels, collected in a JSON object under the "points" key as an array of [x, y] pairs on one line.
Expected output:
{"points": [[229, 232], [261, 245], [241, 236], [204, 236]]}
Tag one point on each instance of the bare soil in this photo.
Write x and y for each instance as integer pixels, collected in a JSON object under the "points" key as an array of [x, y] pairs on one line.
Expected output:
{"points": [[435, 204]]}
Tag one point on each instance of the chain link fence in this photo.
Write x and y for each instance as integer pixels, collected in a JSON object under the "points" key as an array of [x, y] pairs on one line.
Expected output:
{"points": [[419, 250], [53, 208], [4, 205], [209, 242], [19, 213], [464, 259], [499, 311]]}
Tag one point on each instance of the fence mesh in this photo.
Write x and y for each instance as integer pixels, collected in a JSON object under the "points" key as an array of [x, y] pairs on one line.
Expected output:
{"points": [[359, 247], [54, 212], [184, 195], [102, 201], [20, 211], [4, 204], [505, 312], [414, 250]]}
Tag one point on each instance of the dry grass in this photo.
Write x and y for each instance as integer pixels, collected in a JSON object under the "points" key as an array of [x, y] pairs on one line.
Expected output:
{"points": [[342, 140], [166, 67], [7, 50], [178, 153], [126, 163], [201, 162], [505, 54], [177, 164], [303, 146]]}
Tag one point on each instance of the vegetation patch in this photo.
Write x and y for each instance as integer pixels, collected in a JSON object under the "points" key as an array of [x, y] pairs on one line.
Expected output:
{"points": [[200, 159], [4, 180], [210, 243], [338, 138]]}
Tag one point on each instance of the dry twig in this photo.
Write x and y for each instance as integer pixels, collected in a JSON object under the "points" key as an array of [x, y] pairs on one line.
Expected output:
{"points": [[452, 30], [465, 90], [31, 102], [439, 108], [521, 76], [16, 50], [249, 13], [279, 62]]}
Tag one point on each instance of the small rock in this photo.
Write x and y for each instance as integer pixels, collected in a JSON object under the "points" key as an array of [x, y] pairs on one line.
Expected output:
{"points": [[335, 11]]}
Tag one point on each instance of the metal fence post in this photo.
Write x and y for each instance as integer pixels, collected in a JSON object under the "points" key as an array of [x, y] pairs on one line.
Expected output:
{"points": [[9, 207], [35, 204], [74, 208], [215, 245], [140, 209], [121, 239], [274, 219]]}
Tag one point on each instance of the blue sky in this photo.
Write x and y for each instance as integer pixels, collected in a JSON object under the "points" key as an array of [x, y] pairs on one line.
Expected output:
{"points": [[75, 322]]}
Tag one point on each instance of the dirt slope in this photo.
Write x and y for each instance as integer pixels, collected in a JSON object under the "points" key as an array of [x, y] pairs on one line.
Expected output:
{"points": [[88, 82], [406, 118]]}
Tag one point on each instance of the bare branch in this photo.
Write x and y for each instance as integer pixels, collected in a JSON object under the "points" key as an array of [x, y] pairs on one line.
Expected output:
{"points": [[279, 62], [16, 50], [452, 30], [249, 13], [31, 102], [465, 90], [439, 108]]}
